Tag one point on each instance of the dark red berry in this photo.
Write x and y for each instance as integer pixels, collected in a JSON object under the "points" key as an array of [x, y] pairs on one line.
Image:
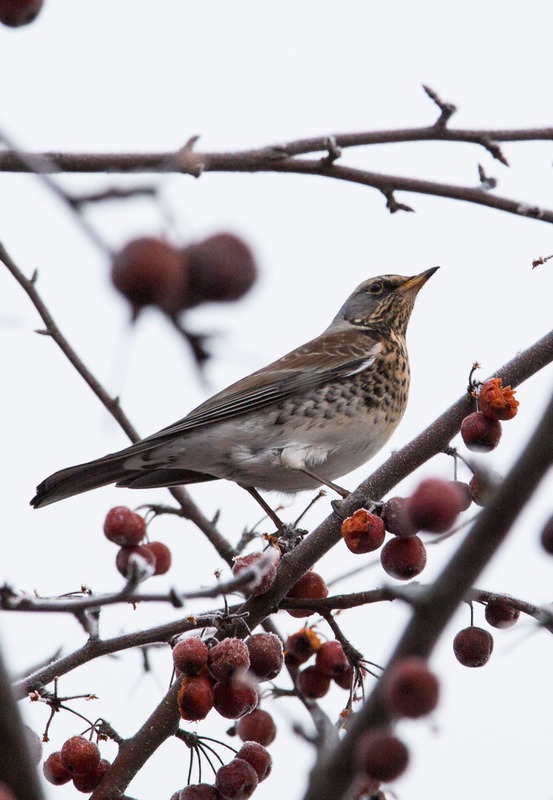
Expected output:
{"points": [[546, 536], [190, 655], [266, 655], [139, 562], [259, 758], [124, 527], [473, 646], [150, 271], [395, 517], [14, 13], [87, 783], [480, 433], [301, 646], [162, 555], [80, 756], [310, 585], [464, 494], [235, 697], [258, 727], [331, 659], [363, 532], [54, 771], [345, 679], [382, 756], [196, 697], [221, 267], [434, 506], [264, 573], [312, 683], [236, 780], [410, 689], [403, 558], [228, 657], [500, 613], [198, 791]]}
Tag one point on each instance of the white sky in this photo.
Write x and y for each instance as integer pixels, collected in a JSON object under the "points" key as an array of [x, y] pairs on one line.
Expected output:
{"points": [[136, 76]]}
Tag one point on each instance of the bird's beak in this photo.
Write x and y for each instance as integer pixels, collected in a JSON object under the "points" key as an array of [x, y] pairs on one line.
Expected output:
{"points": [[417, 281]]}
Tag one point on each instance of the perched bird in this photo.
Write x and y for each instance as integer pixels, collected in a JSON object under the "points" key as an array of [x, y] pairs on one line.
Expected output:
{"points": [[312, 416]]}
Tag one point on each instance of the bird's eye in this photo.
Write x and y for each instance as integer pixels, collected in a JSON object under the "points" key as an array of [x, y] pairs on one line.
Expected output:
{"points": [[375, 287]]}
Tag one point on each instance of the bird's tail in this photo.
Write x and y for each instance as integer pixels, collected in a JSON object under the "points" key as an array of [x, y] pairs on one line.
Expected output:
{"points": [[80, 478]]}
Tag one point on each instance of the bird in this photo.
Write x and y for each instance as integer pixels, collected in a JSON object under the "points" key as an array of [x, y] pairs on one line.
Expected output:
{"points": [[303, 421]]}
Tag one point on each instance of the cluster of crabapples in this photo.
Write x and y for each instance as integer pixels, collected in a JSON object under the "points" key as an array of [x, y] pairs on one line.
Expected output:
{"points": [[434, 508], [150, 271], [128, 529], [78, 760]]}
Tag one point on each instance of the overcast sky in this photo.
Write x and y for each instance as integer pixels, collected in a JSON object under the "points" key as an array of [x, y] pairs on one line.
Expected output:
{"points": [[137, 76]]}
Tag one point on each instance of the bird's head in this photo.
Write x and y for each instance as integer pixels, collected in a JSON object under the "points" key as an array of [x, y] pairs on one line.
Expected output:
{"points": [[384, 302]]}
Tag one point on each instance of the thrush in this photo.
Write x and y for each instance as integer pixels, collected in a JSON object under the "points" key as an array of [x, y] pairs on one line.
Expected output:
{"points": [[307, 419]]}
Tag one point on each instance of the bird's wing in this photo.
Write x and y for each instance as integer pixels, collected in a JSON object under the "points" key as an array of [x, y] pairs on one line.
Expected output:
{"points": [[305, 368]]}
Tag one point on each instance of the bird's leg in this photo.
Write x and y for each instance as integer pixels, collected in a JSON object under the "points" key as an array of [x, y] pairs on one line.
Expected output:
{"points": [[265, 506], [334, 486]]}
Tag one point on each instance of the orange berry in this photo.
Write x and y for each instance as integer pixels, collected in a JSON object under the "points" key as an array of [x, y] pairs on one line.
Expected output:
{"points": [[497, 401]]}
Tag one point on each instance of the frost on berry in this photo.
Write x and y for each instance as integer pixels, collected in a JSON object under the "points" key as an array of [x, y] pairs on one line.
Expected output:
{"points": [[480, 433], [382, 756], [410, 689], [135, 563], [434, 505], [196, 697], [79, 756], [300, 646], [198, 791], [263, 567], [259, 758], [312, 683], [497, 401], [500, 613], [235, 697], [403, 558], [363, 532], [190, 655], [258, 727], [227, 657], [331, 659], [236, 780], [473, 646], [266, 655], [311, 585], [124, 527]]}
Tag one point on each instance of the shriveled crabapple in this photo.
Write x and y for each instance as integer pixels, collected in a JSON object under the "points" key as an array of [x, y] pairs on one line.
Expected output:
{"points": [[497, 401], [196, 697], [480, 433], [227, 657], [473, 646], [403, 558], [310, 585], [258, 726], [124, 527], [266, 655], [236, 780], [363, 532]]}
